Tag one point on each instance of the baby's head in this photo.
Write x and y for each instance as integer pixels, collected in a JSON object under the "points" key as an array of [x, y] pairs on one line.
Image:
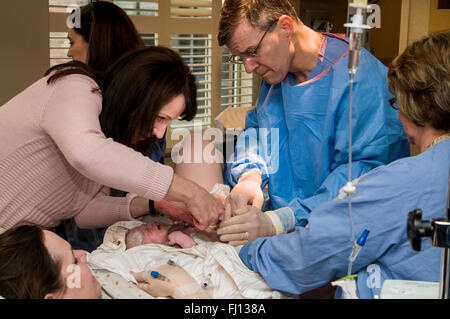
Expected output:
{"points": [[150, 233]]}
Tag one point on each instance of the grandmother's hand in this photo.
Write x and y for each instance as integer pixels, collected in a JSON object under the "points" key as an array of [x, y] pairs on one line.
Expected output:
{"points": [[206, 209], [176, 210]]}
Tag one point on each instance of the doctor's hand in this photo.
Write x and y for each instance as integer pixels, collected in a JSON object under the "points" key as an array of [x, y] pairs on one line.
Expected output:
{"points": [[248, 225], [246, 192]]}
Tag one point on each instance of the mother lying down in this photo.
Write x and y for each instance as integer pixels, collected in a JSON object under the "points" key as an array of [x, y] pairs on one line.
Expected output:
{"points": [[54, 270]]}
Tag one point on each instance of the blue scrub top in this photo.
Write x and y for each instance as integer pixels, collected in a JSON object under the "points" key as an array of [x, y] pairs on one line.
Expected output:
{"points": [[302, 132], [311, 257]]}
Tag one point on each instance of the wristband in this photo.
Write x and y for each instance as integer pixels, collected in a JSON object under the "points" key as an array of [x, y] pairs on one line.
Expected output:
{"points": [[151, 207], [283, 220], [275, 222]]}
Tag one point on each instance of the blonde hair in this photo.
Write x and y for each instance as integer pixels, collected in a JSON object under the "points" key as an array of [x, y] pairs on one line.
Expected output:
{"points": [[259, 13], [420, 80]]}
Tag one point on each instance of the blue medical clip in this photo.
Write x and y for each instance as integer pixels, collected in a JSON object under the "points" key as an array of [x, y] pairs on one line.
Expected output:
{"points": [[157, 275], [358, 245]]}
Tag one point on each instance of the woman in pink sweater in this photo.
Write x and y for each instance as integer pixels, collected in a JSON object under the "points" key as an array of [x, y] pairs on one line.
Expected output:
{"points": [[102, 32], [72, 135]]}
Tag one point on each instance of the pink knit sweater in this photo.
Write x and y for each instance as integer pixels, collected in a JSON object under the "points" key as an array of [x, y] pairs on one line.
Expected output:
{"points": [[55, 162]]}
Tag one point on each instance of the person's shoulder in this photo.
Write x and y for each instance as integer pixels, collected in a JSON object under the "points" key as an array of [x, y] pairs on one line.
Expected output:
{"points": [[439, 154], [369, 61], [74, 80], [80, 78], [76, 84], [426, 165]]}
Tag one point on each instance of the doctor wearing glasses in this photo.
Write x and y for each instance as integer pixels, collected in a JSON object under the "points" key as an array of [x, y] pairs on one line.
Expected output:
{"points": [[303, 99]]}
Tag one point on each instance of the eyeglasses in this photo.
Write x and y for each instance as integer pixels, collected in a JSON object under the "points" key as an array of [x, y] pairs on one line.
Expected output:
{"points": [[394, 105], [393, 102], [239, 59]]}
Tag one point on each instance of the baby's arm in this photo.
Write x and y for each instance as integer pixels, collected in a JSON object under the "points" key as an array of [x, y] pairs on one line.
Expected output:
{"points": [[180, 238]]}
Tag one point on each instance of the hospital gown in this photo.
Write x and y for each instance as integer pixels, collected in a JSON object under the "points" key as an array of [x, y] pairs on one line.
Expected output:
{"points": [[311, 257], [297, 136]]}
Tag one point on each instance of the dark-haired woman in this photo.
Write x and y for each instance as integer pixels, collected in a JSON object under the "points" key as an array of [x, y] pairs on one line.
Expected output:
{"points": [[104, 34], [71, 136]]}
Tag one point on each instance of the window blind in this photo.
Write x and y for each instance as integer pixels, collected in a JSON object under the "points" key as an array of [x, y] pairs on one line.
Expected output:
{"points": [[150, 39], [59, 45], [236, 84], [62, 5], [195, 49], [189, 27], [149, 8], [191, 8]]}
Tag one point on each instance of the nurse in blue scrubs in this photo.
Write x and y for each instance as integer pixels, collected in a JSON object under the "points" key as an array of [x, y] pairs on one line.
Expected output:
{"points": [[311, 257], [296, 138]]}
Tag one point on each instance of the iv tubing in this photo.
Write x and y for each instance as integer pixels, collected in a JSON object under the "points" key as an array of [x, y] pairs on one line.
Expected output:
{"points": [[356, 26], [352, 238]]}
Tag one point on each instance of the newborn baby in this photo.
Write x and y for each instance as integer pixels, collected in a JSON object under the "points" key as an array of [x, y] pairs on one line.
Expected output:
{"points": [[177, 235]]}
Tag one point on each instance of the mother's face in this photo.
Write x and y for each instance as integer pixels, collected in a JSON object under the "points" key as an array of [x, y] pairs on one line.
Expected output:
{"points": [[79, 283]]}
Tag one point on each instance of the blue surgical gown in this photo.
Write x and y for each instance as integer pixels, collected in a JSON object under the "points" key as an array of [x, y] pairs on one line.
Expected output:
{"points": [[311, 257], [301, 132]]}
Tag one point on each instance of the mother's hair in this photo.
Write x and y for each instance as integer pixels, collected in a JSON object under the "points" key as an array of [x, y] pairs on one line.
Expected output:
{"points": [[420, 80], [134, 90], [27, 270]]}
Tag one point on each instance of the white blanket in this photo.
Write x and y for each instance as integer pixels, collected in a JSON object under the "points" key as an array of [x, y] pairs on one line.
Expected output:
{"points": [[214, 265]]}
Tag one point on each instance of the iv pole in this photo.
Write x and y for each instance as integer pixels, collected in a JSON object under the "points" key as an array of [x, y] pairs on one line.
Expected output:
{"points": [[438, 229]]}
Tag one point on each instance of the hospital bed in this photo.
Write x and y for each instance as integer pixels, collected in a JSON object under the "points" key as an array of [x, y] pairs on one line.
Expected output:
{"points": [[215, 266], [229, 277]]}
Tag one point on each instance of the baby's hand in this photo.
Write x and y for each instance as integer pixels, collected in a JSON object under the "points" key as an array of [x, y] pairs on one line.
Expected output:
{"points": [[180, 238]]}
